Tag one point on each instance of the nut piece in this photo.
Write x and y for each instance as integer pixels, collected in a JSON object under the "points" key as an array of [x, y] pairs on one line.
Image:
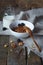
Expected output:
{"points": [[20, 43], [13, 45], [5, 45]]}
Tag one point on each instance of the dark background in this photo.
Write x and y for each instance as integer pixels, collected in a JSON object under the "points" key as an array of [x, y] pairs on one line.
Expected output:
{"points": [[22, 4]]}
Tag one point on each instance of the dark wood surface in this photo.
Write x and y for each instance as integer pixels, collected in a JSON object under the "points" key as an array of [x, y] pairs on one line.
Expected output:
{"points": [[13, 58], [34, 59], [3, 51], [22, 4]]}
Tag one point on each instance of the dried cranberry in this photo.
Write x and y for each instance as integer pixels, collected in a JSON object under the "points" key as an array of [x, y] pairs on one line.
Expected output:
{"points": [[19, 24], [4, 28], [22, 24], [19, 40]]}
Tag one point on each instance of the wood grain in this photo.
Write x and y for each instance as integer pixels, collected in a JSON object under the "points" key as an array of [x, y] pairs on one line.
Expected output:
{"points": [[22, 4]]}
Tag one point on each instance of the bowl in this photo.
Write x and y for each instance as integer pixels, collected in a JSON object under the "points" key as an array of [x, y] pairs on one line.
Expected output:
{"points": [[15, 24]]}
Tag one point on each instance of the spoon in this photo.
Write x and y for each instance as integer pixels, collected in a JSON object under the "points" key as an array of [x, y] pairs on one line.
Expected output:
{"points": [[31, 35]]}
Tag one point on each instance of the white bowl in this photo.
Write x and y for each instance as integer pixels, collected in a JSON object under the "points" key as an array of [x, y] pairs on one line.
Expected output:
{"points": [[15, 23]]}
